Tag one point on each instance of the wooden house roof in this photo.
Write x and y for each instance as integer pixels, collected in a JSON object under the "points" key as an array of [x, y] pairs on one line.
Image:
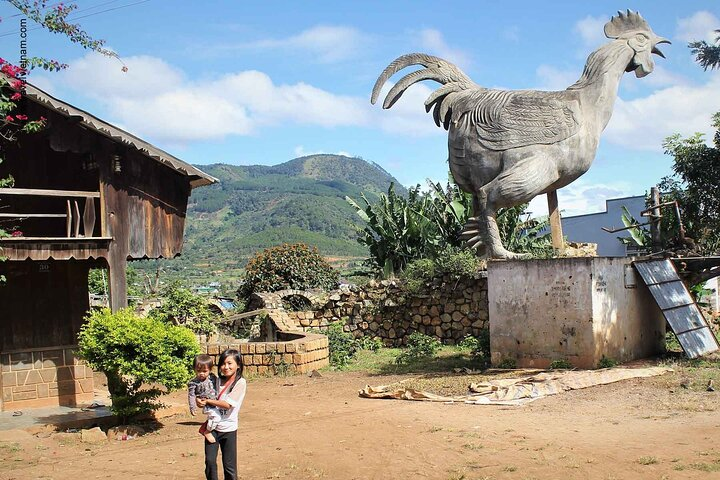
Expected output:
{"points": [[198, 178]]}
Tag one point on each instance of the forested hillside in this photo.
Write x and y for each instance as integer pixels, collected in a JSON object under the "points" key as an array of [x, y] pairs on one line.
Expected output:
{"points": [[254, 207]]}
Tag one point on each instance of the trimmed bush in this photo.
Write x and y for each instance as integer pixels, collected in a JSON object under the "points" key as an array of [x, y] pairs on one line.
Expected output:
{"points": [[133, 352], [287, 266], [419, 346], [184, 308]]}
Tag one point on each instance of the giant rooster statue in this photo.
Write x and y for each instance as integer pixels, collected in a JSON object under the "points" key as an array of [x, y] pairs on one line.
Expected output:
{"points": [[507, 147]]}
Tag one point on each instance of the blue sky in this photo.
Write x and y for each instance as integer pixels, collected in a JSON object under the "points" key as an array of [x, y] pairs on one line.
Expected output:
{"points": [[264, 82]]}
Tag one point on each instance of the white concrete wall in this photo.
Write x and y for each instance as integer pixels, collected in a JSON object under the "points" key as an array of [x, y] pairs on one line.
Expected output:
{"points": [[574, 309]]}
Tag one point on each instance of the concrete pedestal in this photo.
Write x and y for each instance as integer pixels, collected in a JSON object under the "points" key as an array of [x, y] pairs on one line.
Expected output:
{"points": [[574, 309]]}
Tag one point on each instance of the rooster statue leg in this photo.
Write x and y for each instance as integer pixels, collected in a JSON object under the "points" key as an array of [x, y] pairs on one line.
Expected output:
{"points": [[481, 232]]}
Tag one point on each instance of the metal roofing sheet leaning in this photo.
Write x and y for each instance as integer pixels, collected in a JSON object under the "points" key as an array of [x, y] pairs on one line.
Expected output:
{"points": [[682, 314]]}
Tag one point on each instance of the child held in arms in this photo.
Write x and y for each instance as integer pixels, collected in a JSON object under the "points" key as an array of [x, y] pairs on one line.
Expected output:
{"points": [[203, 386]]}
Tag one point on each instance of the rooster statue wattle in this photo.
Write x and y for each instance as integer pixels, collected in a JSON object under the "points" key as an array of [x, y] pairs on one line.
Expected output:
{"points": [[507, 147]]}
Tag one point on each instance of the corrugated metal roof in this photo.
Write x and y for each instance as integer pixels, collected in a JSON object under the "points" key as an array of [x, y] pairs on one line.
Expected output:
{"points": [[678, 307], [198, 178]]}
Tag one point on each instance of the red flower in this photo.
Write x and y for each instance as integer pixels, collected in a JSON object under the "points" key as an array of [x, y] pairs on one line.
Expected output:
{"points": [[9, 118], [16, 96], [21, 117], [17, 84], [16, 233]]}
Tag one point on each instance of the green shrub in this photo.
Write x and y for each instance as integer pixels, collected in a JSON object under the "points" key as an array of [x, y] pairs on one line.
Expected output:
{"points": [[419, 346], [606, 362], [452, 261], [132, 351], [458, 262], [287, 266], [184, 308], [508, 363], [342, 345], [479, 347], [369, 343], [562, 364]]}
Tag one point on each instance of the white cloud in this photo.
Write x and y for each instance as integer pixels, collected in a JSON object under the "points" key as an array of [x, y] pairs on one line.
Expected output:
{"points": [[407, 117], [700, 26], [643, 123], [591, 30], [154, 99], [432, 41], [300, 151], [580, 198], [552, 78], [328, 44]]}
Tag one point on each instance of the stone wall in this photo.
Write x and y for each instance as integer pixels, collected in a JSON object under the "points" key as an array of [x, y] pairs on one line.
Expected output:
{"points": [[292, 353], [44, 377], [446, 308]]}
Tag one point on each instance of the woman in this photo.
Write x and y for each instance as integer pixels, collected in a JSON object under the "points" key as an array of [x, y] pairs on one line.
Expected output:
{"points": [[229, 400]]}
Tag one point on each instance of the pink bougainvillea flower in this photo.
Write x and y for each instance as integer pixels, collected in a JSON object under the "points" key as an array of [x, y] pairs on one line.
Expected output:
{"points": [[17, 84], [21, 117], [16, 96], [9, 118], [16, 233]]}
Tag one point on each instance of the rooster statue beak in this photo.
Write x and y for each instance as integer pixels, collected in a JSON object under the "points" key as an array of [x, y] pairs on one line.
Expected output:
{"points": [[656, 50]]}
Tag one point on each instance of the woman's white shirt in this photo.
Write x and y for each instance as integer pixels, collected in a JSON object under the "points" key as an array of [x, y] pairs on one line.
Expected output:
{"points": [[229, 417]]}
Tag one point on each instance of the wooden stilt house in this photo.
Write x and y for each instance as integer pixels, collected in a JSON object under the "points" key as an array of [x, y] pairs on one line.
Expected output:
{"points": [[86, 194]]}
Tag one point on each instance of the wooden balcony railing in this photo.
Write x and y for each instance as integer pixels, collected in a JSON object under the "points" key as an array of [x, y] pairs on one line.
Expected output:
{"points": [[76, 225]]}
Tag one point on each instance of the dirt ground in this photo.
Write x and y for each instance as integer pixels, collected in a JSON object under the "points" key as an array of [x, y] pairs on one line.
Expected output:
{"points": [[318, 428]]}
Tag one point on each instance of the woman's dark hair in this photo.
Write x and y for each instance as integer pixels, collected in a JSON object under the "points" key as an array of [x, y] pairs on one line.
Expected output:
{"points": [[238, 359]]}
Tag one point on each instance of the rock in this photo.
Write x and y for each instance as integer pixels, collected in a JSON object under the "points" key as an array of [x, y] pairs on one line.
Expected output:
{"points": [[314, 374], [125, 432], [93, 435]]}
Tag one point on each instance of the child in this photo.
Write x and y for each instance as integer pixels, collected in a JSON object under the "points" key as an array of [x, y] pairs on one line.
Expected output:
{"points": [[203, 386]]}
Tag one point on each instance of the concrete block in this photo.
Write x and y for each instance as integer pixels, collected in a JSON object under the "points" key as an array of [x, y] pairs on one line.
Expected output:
{"points": [[68, 387], [76, 371], [244, 349], [213, 350], [9, 379], [7, 394], [48, 374], [43, 391], [260, 348], [86, 385], [21, 377], [93, 435], [33, 377], [64, 373], [29, 395], [290, 347], [577, 309]]}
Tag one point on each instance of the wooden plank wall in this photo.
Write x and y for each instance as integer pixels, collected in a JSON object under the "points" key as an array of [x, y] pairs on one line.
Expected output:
{"points": [[43, 303]]}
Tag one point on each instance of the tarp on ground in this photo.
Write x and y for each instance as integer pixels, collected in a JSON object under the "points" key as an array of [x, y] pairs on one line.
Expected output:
{"points": [[519, 390]]}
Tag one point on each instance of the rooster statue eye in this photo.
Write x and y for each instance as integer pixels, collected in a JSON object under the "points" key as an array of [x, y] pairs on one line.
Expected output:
{"points": [[641, 39]]}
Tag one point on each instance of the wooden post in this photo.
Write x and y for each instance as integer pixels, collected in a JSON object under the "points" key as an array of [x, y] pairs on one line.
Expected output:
{"points": [[655, 219], [117, 280], [555, 224]]}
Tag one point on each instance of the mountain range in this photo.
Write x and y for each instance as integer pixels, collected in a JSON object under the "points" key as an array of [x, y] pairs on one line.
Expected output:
{"points": [[253, 207]]}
